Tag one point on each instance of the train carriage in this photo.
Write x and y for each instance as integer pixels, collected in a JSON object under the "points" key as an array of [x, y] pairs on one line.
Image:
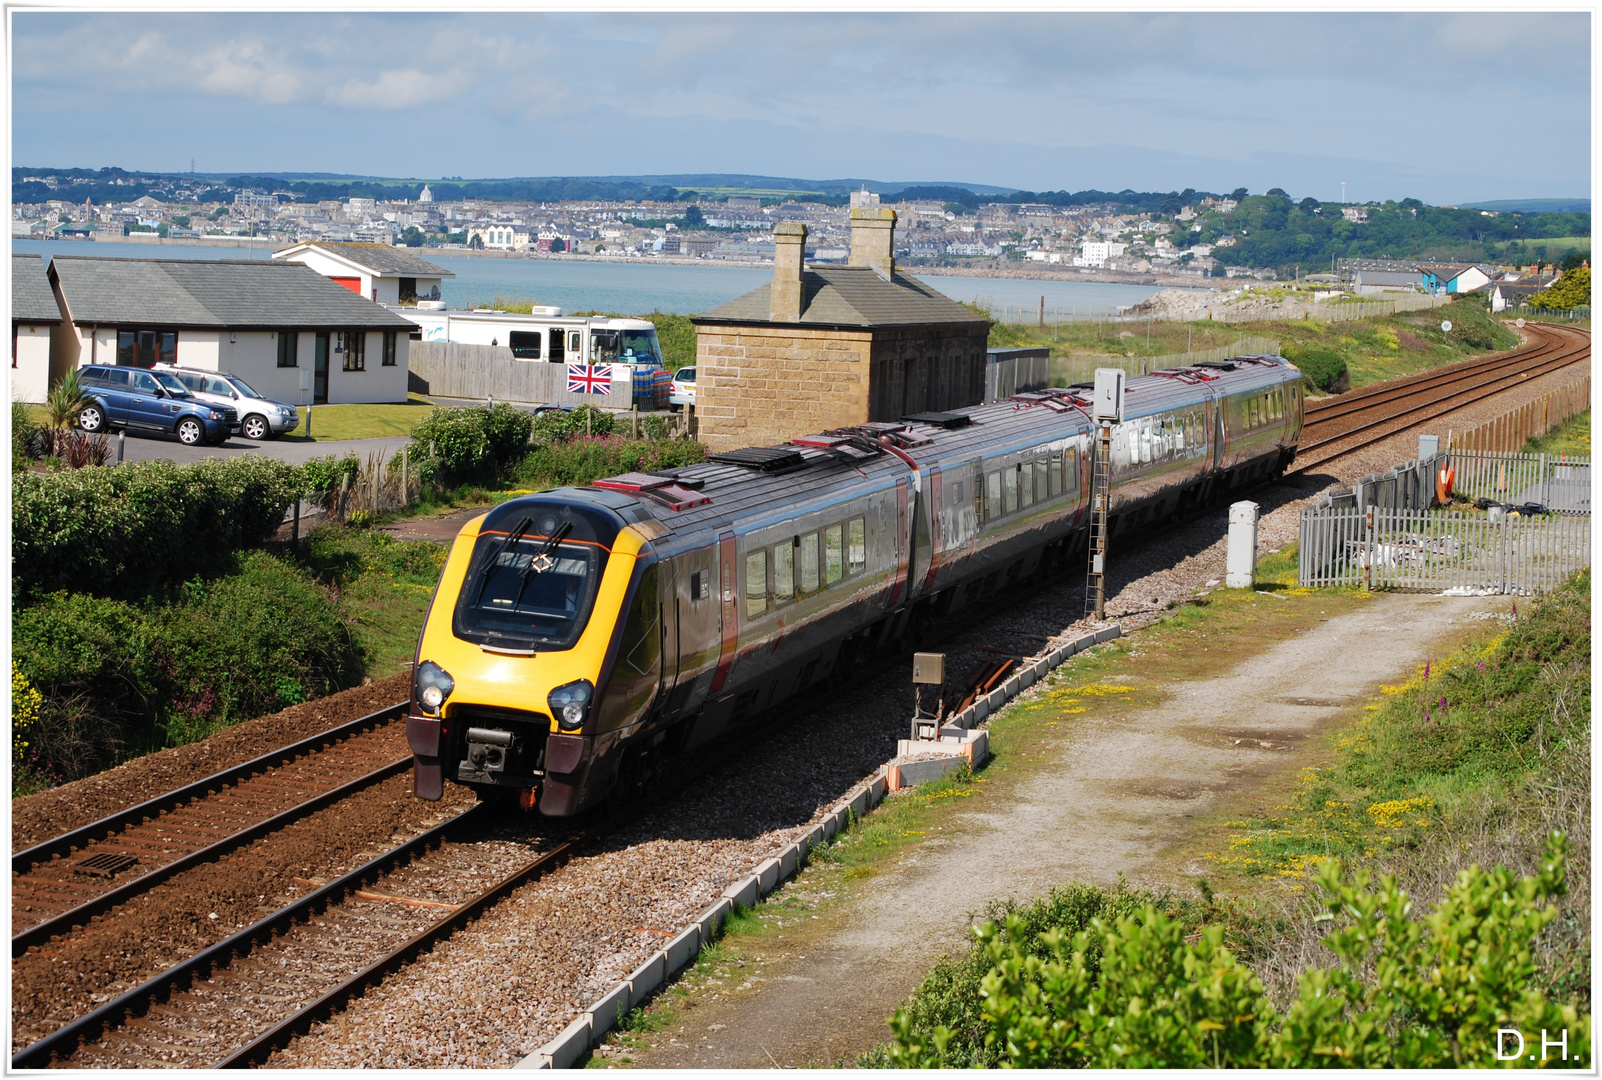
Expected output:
{"points": [[581, 638]]}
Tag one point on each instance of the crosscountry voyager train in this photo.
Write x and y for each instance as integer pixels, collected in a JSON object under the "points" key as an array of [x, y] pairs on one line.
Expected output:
{"points": [[582, 638]]}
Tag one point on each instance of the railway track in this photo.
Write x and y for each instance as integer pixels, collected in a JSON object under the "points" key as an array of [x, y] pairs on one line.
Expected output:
{"points": [[231, 1005], [1360, 418], [60, 885]]}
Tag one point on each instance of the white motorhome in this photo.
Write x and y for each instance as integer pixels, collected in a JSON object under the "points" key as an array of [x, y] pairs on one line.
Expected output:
{"points": [[545, 335]]}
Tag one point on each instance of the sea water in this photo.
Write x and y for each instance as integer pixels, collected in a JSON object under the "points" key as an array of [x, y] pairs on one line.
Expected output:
{"points": [[635, 288]]}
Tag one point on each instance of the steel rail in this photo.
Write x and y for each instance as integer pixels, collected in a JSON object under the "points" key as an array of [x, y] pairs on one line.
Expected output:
{"points": [[336, 999], [1412, 418], [64, 844], [65, 1040], [40, 933]]}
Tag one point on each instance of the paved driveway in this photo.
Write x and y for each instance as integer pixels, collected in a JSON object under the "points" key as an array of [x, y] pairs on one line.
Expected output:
{"points": [[291, 449]]}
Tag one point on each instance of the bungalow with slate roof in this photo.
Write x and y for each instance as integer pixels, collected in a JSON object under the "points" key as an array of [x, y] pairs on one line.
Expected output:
{"points": [[35, 328], [383, 274], [830, 347], [288, 331]]}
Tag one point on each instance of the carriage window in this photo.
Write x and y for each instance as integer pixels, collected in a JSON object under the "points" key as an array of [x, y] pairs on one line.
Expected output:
{"points": [[809, 563], [992, 496], [1054, 468], [784, 572], [1026, 483], [956, 498], [756, 583], [1070, 468], [857, 545], [1009, 490], [833, 556]]}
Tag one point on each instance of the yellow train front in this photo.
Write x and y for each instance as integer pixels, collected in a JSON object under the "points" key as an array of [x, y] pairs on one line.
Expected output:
{"points": [[528, 621]]}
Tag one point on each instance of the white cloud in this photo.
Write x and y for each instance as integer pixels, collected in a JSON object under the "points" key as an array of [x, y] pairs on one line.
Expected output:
{"points": [[403, 88]]}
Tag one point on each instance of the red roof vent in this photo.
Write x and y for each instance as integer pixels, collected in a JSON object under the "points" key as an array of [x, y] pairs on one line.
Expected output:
{"points": [[662, 489]]}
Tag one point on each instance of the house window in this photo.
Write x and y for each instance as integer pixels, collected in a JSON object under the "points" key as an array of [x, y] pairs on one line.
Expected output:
{"points": [[408, 290], [355, 346], [146, 348], [288, 348], [389, 348]]}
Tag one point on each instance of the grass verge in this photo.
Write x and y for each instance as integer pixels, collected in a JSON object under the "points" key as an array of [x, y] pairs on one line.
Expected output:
{"points": [[1572, 438], [1471, 762], [331, 422], [1369, 350]]}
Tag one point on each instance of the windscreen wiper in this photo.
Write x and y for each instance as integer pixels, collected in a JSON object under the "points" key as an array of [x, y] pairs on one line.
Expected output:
{"points": [[511, 538], [541, 560]]}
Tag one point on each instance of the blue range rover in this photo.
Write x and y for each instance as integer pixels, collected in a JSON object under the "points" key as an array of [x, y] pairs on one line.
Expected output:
{"points": [[142, 400]]}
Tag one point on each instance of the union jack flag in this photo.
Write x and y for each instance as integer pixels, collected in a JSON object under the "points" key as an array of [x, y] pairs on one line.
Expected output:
{"points": [[589, 378]]}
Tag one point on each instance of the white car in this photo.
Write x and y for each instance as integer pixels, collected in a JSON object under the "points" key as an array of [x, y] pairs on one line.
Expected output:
{"points": [[682, 392], [259, 417]]}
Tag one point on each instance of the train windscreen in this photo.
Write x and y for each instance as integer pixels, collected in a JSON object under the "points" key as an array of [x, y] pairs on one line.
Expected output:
{"points": [[528, 592]]}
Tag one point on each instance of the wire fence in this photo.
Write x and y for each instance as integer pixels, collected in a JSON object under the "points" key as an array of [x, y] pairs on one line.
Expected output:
{"points": [[1510, 431], [1524, 311], [1462, 553]]}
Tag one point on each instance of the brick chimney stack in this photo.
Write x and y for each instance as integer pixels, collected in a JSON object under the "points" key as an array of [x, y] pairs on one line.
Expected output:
{"points": [[784, 297], [873, 234]]}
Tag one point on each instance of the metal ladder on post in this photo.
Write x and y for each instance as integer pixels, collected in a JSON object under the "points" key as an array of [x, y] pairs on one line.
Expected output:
{"points": [[1100, 485]]}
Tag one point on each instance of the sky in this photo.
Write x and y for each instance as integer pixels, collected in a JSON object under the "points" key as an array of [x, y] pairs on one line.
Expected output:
{"points": [[1443, 106]]}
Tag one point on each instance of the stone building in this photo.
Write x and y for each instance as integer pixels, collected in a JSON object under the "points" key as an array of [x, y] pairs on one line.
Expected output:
{"points": [[828, 347]]}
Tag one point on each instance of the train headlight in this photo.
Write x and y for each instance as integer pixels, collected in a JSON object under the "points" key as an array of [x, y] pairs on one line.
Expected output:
{"points": [[433, 685], [571, 703]]}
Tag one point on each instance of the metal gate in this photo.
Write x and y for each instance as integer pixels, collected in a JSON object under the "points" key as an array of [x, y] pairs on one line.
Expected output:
{"points": [[1422, 551]]}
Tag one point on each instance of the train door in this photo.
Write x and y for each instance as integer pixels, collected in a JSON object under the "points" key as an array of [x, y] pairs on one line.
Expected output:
{"points": [[1217, 406], [927, 538], [699, 627], [670, 629], [727, 564], [903, 552]]}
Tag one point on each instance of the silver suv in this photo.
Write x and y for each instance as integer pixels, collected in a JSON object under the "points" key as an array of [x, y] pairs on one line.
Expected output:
{"points": [[259, 417]]}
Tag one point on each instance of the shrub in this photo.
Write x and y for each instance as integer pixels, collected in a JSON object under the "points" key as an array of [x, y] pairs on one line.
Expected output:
{"points": [[1572, 290], [116, 677], [320, 475], [130, 530], [474, 443], [1322, 367], [586, 420], [1139, 991], [581, 460], [23, 430]]}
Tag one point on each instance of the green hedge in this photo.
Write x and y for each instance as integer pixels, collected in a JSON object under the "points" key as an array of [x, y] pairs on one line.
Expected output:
{"points": [[119, 678], [133, 529], [581, 460]]}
